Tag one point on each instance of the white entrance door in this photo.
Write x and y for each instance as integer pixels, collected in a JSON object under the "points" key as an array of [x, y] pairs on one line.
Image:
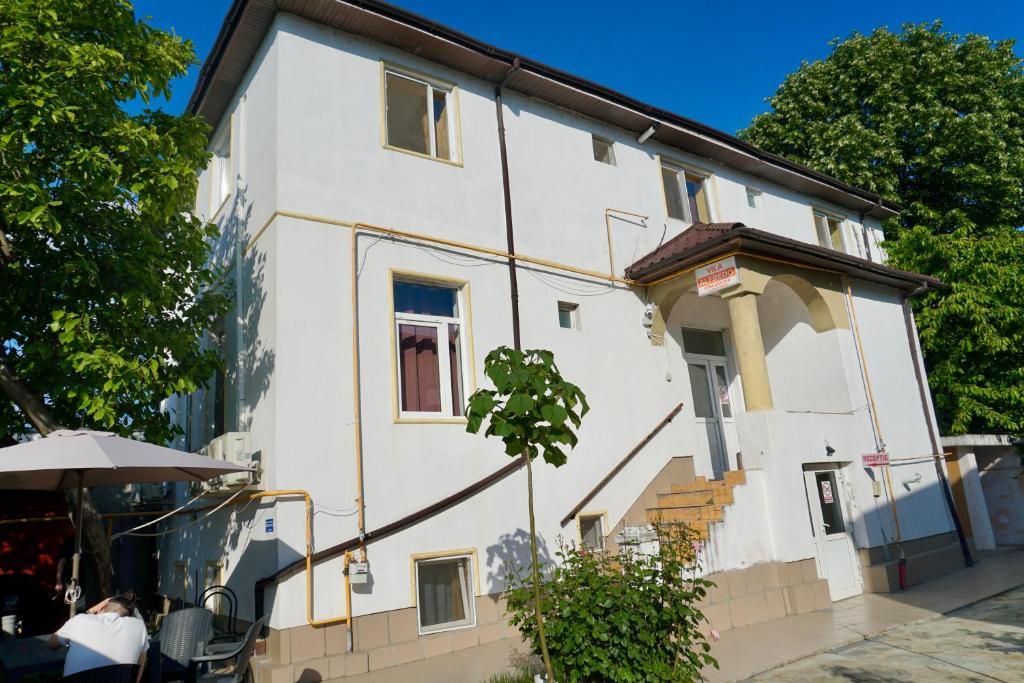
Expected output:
{"points": [[709, 388], [837, 557]]}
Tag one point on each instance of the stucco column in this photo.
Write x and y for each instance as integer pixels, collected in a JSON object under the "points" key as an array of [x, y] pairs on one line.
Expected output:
{"points": [[746, 335]]}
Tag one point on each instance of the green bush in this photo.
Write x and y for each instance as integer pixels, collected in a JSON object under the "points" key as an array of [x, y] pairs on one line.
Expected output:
{"points": [[625, 617]]}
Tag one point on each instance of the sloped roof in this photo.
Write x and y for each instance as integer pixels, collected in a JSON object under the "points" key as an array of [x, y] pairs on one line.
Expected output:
{"points": [[248, 21], [703, 242]]}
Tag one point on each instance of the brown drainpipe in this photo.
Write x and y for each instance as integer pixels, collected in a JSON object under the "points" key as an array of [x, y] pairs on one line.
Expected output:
{"points": [[509, 232], [908, 319]]}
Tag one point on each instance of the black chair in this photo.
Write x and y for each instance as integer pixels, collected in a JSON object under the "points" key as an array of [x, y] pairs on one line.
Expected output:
{"points": [[242, 656], [115, 673], [225, 593]]}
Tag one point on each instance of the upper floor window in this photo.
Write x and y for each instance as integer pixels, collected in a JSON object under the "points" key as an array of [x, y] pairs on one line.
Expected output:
{"points": [[431, 347], [604, 151], [686, 194], [829, 230], [568, 315], [220, 169], [753, 198], [419, 116]]}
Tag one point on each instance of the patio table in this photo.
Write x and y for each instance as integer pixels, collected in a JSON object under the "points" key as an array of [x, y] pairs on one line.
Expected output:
{"points": [[22, 656]]}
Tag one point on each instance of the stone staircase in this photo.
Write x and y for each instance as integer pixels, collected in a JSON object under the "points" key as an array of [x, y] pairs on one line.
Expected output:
{"points": [[699, 503]]}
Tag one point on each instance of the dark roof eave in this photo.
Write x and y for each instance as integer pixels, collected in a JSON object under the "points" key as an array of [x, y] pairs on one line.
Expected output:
{"points": [[760, 243], [258, 15]]}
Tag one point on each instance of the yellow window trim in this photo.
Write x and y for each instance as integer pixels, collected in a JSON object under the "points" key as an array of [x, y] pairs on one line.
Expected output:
{"points": [[474, 568], [429, 279], [453, 90]]}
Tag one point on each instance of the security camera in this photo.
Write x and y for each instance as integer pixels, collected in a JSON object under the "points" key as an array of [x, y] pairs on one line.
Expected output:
{"points": [[648, 319]]}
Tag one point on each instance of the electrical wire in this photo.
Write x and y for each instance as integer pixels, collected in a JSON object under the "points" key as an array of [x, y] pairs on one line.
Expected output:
{"points": [[132, 532]]}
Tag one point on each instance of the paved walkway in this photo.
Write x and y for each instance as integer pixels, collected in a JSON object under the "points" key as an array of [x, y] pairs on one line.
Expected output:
{"points": [[744, 652], [983, 642]]}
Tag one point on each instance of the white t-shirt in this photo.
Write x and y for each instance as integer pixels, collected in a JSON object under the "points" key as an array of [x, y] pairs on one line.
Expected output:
{"points": [[101, 640]]}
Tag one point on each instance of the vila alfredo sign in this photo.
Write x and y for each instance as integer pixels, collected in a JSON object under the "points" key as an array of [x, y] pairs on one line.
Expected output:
{"points": [[717, 275]]}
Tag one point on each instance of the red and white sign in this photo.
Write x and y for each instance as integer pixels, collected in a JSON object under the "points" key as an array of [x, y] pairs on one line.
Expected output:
{"points": [[826, 492], [717, 275], [875, 459]]}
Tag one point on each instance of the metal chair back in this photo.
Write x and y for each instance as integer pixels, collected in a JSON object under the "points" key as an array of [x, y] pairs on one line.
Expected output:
{"points": [[184, 634], [245, 654]]}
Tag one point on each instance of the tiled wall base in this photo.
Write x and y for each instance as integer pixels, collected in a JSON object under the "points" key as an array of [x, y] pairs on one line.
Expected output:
{"points": [[764, 592], [379, 641], [927, 558]]}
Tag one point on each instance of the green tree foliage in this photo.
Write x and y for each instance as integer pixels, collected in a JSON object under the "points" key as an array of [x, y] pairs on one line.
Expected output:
{"points": [[105, 287], [934, 121], [534, 411], [625, 617]]}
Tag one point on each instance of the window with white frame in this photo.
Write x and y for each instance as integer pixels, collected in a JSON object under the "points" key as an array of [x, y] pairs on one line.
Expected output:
{"points": [[568, 315], [604, 150], [220, 169], [592, 532], [686, 194], [829, 230], [753, 198], [419, 116], [431, 347], [443, 594]]}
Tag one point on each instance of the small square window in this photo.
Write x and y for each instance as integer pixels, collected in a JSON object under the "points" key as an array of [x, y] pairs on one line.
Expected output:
{"points": [[443, 595], [568, 315], [604, 151], [591, 532], [753, 198]]}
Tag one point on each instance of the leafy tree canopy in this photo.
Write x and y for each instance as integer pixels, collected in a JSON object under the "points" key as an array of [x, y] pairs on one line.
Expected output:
{"points": [[934, 121], [105, 287]]}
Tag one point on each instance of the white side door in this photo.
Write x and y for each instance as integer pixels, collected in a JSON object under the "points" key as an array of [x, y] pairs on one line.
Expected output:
{"points": [[837, 558]]}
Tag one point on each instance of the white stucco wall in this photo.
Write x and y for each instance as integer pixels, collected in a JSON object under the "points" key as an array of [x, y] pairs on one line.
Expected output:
{"points": [[309, 141]]}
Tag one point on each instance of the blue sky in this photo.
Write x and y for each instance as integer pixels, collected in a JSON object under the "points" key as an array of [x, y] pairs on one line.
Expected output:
{"points": [[711, 61]]}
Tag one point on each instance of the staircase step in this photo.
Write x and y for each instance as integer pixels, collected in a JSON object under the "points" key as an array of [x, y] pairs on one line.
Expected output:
{"points": [[703, 487], [704, 513], [681, 500], [723, 497], [658, 515], [736, 477]]}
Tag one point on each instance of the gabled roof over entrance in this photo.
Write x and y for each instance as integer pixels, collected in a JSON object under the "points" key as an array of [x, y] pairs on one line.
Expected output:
{"points": [[703, 242], [248, 21]]}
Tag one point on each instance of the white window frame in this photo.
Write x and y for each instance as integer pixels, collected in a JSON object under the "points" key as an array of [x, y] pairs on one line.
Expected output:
{"points": [[573, 309], [611, 149], [828, 216], [601, 518], [439, 323], [220, 169], [468, 594], [681, 171], [755, 196], [432, 87]]}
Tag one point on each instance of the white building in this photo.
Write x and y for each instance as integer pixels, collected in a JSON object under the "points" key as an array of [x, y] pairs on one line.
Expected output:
{"points": [[368, 198]]}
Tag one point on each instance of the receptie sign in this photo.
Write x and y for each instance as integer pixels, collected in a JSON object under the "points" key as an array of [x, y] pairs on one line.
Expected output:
{"points": [[717, 275], [875, 459]]}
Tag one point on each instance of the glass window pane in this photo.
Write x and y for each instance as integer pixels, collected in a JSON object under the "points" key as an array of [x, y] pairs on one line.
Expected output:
{"points": [[821, 226], [696, 195], [752, 199], [413, 297], [704, 342], [420, 374], [407, 114], [441, 125], [673, 195], [591, 533], [565, 318], [724, 404], [701, 390], [443, 587], [455, 368], [603, 151], [828, 497], [835, 230]]}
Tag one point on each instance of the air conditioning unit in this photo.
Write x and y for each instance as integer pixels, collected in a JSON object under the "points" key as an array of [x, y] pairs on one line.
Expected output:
{"points": [[233, 447], [147, 494]]}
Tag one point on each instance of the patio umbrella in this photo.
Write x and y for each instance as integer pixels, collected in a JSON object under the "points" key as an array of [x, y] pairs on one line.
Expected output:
{"points": [[73, 459]]}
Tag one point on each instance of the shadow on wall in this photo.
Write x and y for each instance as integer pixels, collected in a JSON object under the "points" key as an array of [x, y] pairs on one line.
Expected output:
{"points": [[511, 554]]}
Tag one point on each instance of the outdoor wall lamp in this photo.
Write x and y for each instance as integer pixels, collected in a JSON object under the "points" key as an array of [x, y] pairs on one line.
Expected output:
{"points": [[643, 137]]}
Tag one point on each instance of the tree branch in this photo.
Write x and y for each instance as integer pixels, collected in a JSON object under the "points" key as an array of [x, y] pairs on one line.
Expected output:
{"points": [[30, 403]]}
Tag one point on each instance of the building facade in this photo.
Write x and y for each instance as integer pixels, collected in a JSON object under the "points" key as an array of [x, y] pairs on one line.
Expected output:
{"points": [[370, 170]]}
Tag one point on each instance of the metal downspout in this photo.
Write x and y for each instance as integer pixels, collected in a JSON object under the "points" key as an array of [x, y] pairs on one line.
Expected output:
{"points": [[507, 193], [908, 319]]}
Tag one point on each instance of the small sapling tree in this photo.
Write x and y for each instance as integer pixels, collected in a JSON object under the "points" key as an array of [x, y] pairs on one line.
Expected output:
{"points": [[534, 411]]}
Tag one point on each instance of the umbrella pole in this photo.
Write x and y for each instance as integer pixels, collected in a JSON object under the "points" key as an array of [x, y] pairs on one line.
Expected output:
{"points": [[77, 558]]}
